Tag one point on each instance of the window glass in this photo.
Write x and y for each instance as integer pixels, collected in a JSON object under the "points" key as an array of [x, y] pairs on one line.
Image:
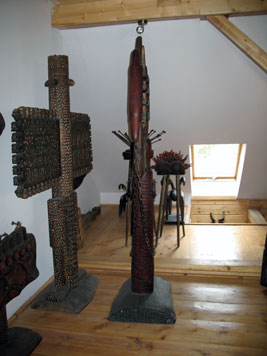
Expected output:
{"points": [[216, 161]]}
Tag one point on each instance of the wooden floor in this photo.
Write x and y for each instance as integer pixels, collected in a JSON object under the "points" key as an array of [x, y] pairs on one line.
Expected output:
{"points": [[220, 307], [220, 247]]}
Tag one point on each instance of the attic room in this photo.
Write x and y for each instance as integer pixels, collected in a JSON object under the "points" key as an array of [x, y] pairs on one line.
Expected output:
{"points": [[204, 90]]}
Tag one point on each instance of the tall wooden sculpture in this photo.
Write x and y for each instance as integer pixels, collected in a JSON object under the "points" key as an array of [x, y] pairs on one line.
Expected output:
{"points": [[17, 270], [142, 298], [53, 147]]}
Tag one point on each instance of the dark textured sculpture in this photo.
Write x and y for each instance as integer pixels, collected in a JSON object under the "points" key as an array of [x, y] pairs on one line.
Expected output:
{"points": [[2, 124], [36, 149], [53, 150], [17, 270], [143, 298], [263, 280]]}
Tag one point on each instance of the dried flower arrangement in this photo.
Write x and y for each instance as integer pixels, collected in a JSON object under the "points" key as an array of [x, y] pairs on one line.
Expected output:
{"points": [[170, 162]]}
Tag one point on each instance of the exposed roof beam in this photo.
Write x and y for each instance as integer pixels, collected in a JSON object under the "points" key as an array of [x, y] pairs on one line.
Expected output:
{"points": [[80, 13], [242, 41]]}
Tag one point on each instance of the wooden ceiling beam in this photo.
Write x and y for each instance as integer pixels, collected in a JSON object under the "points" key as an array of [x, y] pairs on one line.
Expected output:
{"points": [[242, 41], [82, 13]]}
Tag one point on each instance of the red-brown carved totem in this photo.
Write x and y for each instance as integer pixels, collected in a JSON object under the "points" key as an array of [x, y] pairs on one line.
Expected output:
{"points": [[139, 190]]}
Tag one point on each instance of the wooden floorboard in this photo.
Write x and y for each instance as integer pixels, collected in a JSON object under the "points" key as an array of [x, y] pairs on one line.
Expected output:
{"points": [[221, 308], [220, 244], [215, 316]]}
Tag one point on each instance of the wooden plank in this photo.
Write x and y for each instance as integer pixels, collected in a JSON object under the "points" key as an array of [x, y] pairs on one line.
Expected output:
{"points": [[89, 13], [242, 41], [81, 344], [255, 217], [214, 268]]}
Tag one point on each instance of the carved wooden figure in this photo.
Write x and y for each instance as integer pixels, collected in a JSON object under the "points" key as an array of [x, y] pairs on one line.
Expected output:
{"points": [[53, 148], [17, 270], [142, 298]]}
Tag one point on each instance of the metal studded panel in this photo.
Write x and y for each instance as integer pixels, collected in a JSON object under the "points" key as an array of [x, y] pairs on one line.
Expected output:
{"points": [[36, 149], [81, 144], [36, 155]]}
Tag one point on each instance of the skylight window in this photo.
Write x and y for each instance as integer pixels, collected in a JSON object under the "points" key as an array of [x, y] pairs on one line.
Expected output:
{"points": [[215, 161]]}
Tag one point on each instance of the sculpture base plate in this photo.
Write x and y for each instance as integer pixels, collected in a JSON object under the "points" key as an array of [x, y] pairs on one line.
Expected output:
{"points": [[172, 219], [21, 341], [154, 308], [70, 300]]}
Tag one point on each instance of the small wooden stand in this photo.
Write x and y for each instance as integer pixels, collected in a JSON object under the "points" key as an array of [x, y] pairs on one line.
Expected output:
{"points": [[163, 203]]}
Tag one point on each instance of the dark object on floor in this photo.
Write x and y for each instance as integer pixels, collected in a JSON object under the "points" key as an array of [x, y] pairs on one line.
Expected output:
{"points": [[90, 216], [153, 308], [213, 221], [17, 270], [263, 281], [2, 124], [21, 342], [52, 148], [220, 221]]}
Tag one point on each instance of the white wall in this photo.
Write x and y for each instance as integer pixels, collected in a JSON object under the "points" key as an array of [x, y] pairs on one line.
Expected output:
{"points": [[203, 90], [26, 39]]}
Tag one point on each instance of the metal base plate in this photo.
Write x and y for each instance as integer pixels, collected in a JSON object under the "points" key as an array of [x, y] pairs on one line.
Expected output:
{"points": [[21, 341], [172, 219], [70, 300], [154, 308]]}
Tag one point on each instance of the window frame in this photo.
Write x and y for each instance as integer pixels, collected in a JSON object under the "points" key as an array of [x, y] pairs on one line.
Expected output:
{"points": [[217, 178]]}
